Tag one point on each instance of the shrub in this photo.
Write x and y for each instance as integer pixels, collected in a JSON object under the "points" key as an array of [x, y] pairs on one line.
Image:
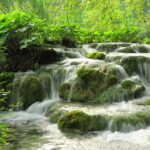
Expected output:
{"points": [[19, 30]]}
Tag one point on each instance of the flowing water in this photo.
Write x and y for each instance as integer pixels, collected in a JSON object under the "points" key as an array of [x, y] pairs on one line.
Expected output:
{"points": [[34, 130]]}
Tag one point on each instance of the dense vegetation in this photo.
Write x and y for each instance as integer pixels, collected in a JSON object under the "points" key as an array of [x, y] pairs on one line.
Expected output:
{"points": [[89, 21]]}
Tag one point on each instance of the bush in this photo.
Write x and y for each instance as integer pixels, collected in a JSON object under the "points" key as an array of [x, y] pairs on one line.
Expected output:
{"points": [[19, 30]]}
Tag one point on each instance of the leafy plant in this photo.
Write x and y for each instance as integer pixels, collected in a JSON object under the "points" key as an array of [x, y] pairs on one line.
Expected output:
{"points": [[20, 30]]}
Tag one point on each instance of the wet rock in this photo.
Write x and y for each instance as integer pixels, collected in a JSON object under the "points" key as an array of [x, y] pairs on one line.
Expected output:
{"points": [[45, 80], [79, 121], [48, 55], [64, 90], [90, 83], [108, 47], [133, 88], [24, 60], [27, 90]]}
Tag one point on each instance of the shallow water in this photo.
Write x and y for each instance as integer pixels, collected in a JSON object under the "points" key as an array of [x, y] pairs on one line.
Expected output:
{"points": [[35, 132]]}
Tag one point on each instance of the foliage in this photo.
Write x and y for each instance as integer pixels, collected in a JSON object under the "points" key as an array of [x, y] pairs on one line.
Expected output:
{"points": [[109, 21], [4, 133], [19, 30], [4, 130]]}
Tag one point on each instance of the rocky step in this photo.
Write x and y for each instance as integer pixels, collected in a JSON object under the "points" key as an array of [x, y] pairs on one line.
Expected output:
{"points": [[121, 47], [79, 118]]}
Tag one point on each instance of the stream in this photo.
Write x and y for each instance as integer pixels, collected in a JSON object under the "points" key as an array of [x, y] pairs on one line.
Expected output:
{"points": [[34, 131]]}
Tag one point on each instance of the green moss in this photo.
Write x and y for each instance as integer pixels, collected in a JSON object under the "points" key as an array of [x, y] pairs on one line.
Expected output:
{"points": [[27, 90], [112, 94], [96, 55], [135, 88], [138, 90], [90, 83], [79, 121], [127, 84], [64, 90], [86, 73], [74, 120]]}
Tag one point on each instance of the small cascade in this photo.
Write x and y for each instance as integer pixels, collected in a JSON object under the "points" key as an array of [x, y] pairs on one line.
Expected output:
{"points": [[122, 81], [40, 107], [144, 71], [121, 73]]}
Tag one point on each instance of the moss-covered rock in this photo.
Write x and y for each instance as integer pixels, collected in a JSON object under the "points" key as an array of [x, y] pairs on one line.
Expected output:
{"points": [[89, 84], [45, 80], [27, 90], [79, 121], [64, 90], [96, 55], [126, 84], [31, 91], [135, 89], [74, 120]]}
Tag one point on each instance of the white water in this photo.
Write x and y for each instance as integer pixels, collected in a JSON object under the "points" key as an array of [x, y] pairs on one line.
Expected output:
{"points": [[53, 139]]}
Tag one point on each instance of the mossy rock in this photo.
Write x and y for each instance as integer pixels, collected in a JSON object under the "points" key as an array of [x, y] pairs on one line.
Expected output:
{"points": [[75, 120], [96, 55], [135, 88], [64, 90], [126, 84], [111, 94], [125, 122], [27, 90], [87, 73], [89, 84]]}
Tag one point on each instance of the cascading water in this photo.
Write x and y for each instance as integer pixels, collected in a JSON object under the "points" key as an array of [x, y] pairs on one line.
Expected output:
{"points": [[52, 76]]}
